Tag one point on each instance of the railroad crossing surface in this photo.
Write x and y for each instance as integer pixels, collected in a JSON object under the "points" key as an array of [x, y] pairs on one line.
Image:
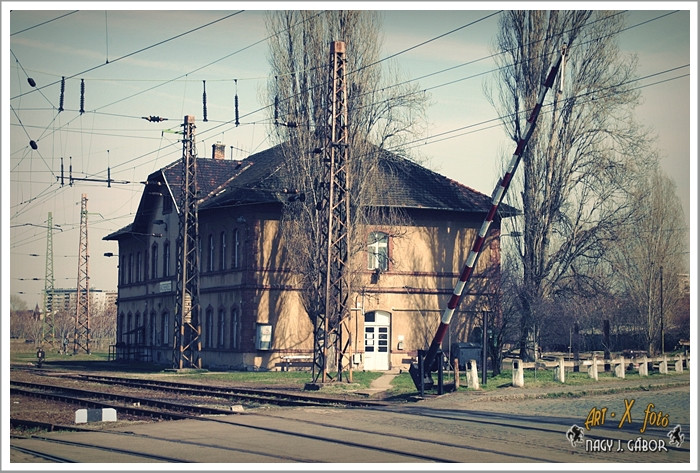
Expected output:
{"points": [[464, 427]]}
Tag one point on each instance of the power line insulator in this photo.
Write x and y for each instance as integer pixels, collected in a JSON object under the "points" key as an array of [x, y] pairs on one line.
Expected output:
{"points": [[82, 96], [153, 118], [204, 100], [235, 99], [31, 81], [33, 144], [63, 89]]}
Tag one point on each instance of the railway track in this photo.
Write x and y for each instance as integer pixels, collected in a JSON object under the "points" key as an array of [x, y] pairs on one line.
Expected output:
{"points": [[185, 400], [127, 404], [268, 396]]}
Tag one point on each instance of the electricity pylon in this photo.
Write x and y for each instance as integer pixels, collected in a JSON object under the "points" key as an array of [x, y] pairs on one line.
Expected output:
{"points": [[47, 328], [187, 343], [330, 331], [81, 338]]}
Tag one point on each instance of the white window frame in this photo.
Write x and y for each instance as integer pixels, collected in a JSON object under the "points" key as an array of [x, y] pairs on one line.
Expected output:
{"points": [[378, 251]]}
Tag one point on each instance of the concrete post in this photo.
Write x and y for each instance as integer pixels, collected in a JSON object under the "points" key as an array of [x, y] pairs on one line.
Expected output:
{"points": [[644, 367], [559, 372], [663, 365], [472, 375], [518, 377], [593, 369], [620, 367], [679, 365], [456, 365]]}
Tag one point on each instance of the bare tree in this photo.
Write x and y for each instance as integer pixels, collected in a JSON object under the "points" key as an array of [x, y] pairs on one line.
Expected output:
{"points": [[580, 157], [651, 251], [17, 303], [103, 327], [381, 114]]}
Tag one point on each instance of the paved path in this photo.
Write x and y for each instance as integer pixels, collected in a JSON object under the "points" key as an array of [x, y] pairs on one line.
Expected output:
{"points": [[381, 384]]}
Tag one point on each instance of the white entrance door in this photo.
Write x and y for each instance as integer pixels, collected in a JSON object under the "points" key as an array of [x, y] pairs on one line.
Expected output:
{"points": [[377, 337]]}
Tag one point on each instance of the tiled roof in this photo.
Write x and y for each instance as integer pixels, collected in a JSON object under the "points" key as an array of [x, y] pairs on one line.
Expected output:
{"points": [[409, 185], [211, 174], [405, 185], [260, 179]]}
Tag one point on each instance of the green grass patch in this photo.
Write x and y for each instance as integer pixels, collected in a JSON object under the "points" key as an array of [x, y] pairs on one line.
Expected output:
{"points": [[51, 356], [360, 379]]}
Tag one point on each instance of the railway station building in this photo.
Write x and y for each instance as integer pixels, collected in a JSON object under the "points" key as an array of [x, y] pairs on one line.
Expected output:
{"points": [[252, 316]]}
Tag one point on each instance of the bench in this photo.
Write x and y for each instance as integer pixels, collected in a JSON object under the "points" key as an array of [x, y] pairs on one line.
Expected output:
{"points": [[297, 361]]}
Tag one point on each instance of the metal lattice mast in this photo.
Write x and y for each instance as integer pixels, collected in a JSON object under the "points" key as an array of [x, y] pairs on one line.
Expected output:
{"points": [[81, 338], [47, 329], [331, 331], [187, 337]]}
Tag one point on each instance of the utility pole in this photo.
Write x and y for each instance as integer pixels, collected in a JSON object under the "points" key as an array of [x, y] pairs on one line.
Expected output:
{"points": [[331, 329], [187, 343], [81, 339], [47, 328], [661, 292]]}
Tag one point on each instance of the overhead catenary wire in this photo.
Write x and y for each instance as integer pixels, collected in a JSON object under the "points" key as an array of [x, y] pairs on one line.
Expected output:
{"points": [[142, 49], [44, 23], [238, 118], [191, 72], [424, 140], [470, 127]]}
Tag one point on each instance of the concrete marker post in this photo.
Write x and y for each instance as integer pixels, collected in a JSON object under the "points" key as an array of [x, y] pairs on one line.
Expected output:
{"points": [[679, 365], [472, 375], [593, 369], [518, 377], [559, 372], [620, 367], [644, 367], [456, 365]]}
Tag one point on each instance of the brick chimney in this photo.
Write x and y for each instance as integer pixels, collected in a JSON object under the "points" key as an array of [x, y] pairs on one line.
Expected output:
{"points": [[218, 151]]}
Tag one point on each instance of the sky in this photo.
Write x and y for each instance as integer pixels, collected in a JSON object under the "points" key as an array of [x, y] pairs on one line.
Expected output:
{"points": [[144, 62]]}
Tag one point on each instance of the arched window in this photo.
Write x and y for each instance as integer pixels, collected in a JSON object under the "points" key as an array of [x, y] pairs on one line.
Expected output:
{"points": [[127, 329], [209, 328], [153, 338], [166, 258], [212, 252], [221, 329], [136, 337], [154, 261], [165, 327], [120, 328], [236, 249], [222, 251], [145, 266], [233, 343], [137, 278], [378, 251]]}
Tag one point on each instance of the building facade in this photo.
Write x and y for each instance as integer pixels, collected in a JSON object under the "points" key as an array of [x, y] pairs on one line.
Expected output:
{"points": [[66, 300], [251, 309]]}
